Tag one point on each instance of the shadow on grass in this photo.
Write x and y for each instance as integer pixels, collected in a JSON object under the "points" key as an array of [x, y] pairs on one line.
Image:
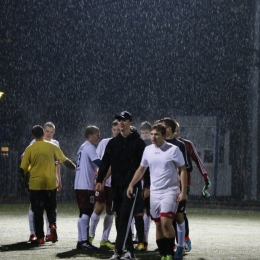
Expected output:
{"points": [[20, 247], [103, 253]]}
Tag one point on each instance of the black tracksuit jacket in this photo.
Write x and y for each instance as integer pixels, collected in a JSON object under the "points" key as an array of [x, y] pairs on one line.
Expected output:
{"points": [[124, 154]]}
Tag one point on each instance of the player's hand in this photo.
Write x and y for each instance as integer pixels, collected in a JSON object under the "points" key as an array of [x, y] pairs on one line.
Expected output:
{"points": [[188, 189], [206, 188], [146, 193], [129, 191], [98, 186], [59, 188], [182, 196]]}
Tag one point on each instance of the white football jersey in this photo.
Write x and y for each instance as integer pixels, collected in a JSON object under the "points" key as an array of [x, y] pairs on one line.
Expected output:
{"points": [[163, 162], [100, 152], [86, 169], [52, 141]]}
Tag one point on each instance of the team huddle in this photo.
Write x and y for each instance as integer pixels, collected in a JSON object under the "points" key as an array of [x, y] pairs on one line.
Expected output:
{"points": [[135, 178]]}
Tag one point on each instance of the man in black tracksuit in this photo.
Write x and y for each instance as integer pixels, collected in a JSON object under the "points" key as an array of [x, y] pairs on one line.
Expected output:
{"points": [[123, 153]]}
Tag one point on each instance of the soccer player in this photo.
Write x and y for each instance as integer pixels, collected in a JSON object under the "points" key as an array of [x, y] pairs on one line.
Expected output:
{"points": [[104, 198], [87, 164], [164, 161], [145, 129], [205, 191], [49, 131], [41, 157], [170, 125], [123, 153]]}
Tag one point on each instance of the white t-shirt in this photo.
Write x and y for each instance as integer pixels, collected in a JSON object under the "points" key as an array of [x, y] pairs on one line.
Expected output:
{"points": [[86, 169], [52, 141], [163, 162], [100, 152]]}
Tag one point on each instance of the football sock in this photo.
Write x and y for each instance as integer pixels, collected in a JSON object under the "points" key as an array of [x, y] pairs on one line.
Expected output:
{"points": [[147, 223], [181, 233], [161, 246], [187, 230], [31, 224], [108, 221], [48, 232], [139, 224], [84, 225], [93, 224], [169, 245], [79, 231]]}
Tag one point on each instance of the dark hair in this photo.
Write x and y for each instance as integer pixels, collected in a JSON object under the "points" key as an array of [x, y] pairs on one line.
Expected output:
{"points": [[115, 122], [49, 124], [159, 127], [169, 122], [37, 131], [90, 130], [145, 126]]}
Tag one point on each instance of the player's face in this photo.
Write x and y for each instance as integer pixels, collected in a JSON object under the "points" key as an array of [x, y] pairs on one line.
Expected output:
{"points": [[95, 138], [157, 138], [177, 131], [48, 133], [145, 134], [115, 130], [124, 124]]}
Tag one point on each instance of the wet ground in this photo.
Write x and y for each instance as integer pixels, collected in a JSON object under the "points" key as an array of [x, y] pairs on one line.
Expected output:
{"points": [[215, 234]]}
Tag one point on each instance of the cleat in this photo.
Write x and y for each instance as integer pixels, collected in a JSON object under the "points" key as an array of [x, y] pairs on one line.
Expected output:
{"points": [[178, 254], [187, 245], [145, 246], [39, 241], [54, 236], [163, 258], [115, 256], [85, 245], [168, 257], [107, 244], [48, 238], [32, 237], [129, 255], [90, 239], [140, 247]]}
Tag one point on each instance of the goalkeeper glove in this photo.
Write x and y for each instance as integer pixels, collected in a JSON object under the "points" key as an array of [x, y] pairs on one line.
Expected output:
{"points": [[205, 190]]}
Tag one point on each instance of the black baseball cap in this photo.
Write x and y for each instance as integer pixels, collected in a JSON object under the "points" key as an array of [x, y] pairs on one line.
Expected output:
{"points": [[124, 115]]}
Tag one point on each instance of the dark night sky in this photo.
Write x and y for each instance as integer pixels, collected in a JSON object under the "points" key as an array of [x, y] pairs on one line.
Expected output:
{"points": [[81, 62]]}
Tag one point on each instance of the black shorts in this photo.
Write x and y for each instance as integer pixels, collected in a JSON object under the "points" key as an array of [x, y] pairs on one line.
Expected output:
{"points": [[182, 206]]}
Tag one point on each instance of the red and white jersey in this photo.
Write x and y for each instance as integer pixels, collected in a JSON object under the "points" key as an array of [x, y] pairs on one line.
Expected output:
{"points": [[163, 162], [86, 169], [100, 152]]}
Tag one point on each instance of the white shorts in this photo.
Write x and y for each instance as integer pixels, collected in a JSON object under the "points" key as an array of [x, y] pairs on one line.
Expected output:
{"points": [[163, 204]]}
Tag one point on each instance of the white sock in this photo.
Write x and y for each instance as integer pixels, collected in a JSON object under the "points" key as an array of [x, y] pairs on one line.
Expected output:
{"points": [[181, 233], [93, 224], [79, 231], [84, 224], [48, 232], [133, 228], [31, 224], [108, 221], [147, 222]]}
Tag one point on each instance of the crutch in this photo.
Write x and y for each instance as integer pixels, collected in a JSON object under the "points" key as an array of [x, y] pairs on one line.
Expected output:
{"points": [[130, 218]]}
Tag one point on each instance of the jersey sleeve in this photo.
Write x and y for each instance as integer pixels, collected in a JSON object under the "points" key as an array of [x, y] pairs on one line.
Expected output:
{"points": [[93, 153], [144, 161], [100, 149], [178, 157]]}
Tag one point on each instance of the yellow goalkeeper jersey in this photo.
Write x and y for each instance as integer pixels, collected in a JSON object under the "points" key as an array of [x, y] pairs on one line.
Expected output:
{"points": [[41, 157]]}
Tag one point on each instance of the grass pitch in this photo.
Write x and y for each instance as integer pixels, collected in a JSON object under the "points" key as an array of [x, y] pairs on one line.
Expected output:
{"points": [[215, 234]]}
